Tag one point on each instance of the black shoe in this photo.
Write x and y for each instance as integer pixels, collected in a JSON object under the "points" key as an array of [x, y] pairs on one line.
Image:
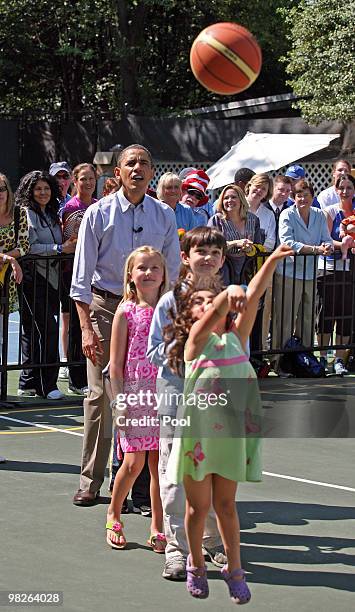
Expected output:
{"points": [[283, 374], [143, 510], [85, 498]]}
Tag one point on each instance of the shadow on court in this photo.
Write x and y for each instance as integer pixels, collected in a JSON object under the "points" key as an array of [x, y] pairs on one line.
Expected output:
{"points": [[298, 543], [40, 467]]}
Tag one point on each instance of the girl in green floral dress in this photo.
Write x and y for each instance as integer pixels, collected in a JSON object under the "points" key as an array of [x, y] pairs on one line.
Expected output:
{"points": [[218, 443]]}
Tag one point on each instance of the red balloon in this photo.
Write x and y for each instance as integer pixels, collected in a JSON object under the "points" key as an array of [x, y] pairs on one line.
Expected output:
{"points": [[225, 58]]}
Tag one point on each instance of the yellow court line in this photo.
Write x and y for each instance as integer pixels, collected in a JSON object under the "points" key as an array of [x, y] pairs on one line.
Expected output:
{"points": [[41, 426], [22, 433], [54, 408]]}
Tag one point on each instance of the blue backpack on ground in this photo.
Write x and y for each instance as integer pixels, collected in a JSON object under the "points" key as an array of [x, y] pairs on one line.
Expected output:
{"points": [[302, 364]]}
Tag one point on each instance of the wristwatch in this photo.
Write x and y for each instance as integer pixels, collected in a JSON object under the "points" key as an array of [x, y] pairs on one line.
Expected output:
{"points": [[59, 249]]}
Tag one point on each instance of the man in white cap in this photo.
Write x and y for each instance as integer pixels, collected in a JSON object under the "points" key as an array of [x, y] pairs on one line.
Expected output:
{"points": [[62, 172]]}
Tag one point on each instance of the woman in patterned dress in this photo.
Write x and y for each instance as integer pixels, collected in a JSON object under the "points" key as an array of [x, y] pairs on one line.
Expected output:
{"points": [[239, 226], [10, 247]]}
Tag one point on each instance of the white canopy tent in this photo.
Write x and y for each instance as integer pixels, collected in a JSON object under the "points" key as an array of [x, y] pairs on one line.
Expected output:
{"points": [[264, 152]]}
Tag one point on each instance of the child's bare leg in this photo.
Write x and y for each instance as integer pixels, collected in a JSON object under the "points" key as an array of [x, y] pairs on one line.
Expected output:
{"points": [[223, 500], [130, 469], [198, 502], [157, 509], [346, 243]]}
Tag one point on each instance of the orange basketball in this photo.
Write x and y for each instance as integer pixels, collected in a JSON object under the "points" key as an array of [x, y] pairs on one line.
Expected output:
{"points": [[225, 58]]}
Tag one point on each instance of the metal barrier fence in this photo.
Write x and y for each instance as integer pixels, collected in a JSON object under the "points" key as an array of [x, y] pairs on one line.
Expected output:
{"points": [[36, 346], [312, 294]]}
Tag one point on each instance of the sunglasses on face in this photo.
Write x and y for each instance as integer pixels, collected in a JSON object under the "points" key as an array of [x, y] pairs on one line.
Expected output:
{"points": [[195, 193], [3, 188]]}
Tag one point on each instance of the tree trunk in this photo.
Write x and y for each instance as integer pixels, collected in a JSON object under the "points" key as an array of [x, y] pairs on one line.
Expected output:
{"points": [[131, 23]]}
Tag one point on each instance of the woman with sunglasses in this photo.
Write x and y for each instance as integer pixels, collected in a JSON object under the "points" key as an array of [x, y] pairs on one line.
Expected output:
{"points": [[13, 243]]}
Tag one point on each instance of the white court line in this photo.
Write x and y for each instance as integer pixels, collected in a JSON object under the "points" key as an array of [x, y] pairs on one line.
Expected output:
{"points": [[314, 482], [71, 433], [273, 475]]}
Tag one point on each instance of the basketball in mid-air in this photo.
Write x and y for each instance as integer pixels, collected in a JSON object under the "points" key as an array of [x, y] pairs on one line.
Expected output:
{"points": [[225, 58]]}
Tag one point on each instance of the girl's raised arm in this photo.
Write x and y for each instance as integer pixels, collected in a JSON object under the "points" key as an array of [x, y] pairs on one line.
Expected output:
{"points": [[118, 349], [256, 288], [231, 299]]}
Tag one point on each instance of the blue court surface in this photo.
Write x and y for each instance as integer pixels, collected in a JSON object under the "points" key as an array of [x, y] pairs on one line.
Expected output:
{"points": [[298, 525]]}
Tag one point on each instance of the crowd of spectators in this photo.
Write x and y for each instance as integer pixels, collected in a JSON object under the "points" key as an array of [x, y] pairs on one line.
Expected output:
{"points": [[255, 211]]}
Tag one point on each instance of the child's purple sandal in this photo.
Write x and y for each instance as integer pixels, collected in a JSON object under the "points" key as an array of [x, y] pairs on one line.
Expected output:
{"points": [[238, 589], [196, 583]]}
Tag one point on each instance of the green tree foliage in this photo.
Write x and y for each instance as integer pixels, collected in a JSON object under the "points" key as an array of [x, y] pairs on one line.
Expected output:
{"points": [[321, 59], [52, 56], [109, 57]]}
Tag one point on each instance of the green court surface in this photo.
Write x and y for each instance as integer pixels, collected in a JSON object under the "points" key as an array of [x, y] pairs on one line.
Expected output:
{"points": [[298, 525]]}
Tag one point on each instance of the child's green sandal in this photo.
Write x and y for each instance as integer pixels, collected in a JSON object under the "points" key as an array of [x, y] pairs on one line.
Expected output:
{"points": [[157, 542], [116, 527]]}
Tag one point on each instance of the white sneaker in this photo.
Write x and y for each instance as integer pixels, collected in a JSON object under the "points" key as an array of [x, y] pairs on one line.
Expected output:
{"points": [[339, 367], [63, 373], [76, 391], [55, 395], [26, 392]]}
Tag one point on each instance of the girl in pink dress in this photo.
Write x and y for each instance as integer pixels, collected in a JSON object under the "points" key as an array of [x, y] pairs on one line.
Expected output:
{"points": [[133, 381]]}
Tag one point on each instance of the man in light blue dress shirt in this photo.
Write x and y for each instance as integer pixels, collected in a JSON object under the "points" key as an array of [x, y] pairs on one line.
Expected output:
{"points": [[110, 230]]}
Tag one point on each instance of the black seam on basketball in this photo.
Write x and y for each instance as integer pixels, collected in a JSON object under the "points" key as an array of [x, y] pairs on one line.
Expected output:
{"points": [[218, 78], [256, 48]]}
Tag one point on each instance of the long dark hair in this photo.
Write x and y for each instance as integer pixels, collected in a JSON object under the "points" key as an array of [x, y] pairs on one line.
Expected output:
{"points": [[177, 333], [24, 194]]}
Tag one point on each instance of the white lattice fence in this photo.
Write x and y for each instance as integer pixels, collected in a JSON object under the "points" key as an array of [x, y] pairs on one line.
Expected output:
{"points": [[320, 174]]}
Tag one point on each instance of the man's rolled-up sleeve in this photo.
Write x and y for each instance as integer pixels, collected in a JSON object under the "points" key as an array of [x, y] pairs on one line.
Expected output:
{"points": [[171, 248]]}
